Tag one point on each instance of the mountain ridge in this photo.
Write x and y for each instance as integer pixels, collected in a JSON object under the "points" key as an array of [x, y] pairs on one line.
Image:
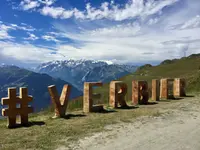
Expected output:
{"points": [[79, 71]]}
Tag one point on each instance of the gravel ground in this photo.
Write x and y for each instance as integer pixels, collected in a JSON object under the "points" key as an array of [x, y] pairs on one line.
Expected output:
{"points": [[178, 128]]}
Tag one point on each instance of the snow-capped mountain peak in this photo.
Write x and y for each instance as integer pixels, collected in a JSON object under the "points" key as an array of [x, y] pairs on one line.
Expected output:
{"points": [[79, 71]]}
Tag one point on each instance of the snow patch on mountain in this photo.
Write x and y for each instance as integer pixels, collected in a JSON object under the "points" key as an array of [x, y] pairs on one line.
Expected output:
{"points": [[77, 72]]}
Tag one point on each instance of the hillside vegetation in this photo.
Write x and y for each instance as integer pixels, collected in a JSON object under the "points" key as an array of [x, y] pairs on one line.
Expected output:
{"points": [[187, 67]]}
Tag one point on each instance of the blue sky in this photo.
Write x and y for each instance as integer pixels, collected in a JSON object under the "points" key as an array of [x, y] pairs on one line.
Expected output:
{"points": [[119, 31]]}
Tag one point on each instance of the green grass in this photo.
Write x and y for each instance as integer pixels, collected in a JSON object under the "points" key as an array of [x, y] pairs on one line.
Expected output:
{"points": [[61, 132]]}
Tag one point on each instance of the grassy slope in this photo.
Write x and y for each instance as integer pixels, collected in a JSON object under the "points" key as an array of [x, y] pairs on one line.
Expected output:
{"points": [[61, 132]]}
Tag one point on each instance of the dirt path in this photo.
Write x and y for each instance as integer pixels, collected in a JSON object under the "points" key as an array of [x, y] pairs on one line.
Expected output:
{"points": [[177, 129]]}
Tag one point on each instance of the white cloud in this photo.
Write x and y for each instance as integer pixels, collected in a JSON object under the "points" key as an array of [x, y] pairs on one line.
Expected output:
{"points": [[112, 11], [56, 12], [49, 38], [4, 35], [78, 14], [47, 2], [135, 8], [31, 37], [29, 4], [97, 35], [4, 29], [152, 21], [26, 52], [182, 48], [23, 26], [193, 23]]}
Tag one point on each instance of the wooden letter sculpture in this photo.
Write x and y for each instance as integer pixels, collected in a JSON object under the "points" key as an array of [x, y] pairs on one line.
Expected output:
{"points": [[12, 111], [60, 102], [88, 98], [179, 87], [155, 89], [118, 91], [140, 94], [164, 88]]}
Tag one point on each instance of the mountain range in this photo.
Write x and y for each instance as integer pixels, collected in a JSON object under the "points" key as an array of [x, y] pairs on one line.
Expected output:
{"points": [[79, 71]]}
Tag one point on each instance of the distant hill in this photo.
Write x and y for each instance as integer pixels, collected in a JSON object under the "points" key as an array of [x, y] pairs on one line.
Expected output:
{"points": [[168, 61], [79, 71], [186, 67], [144, 66], [12, 76]]}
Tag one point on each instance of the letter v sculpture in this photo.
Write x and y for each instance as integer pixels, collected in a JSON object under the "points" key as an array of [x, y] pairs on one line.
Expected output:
{"points": [[60, 102]]}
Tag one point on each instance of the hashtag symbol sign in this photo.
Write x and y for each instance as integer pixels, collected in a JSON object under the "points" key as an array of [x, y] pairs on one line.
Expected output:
{"points": [[12, 111]]}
